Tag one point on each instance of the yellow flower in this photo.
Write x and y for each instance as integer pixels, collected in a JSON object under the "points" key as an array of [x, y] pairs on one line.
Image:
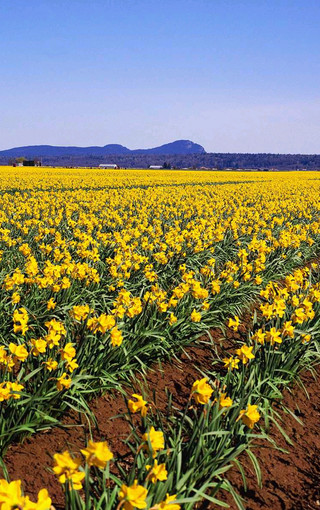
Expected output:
{"points": [[116, 337], [224, 401], [15, 387], [43, 503], [307, 305], [250, 416], [295, 301], [11, 495], [38, 346], [172, 319], [299, 316], [245, 353], [287, 329], [105, 323], [205, 305], [68, 352], [15, 298], [3, 354], [52, 339], [56, 326], [72, 365], [168, 503], [64, 382], [273, 336], [97, 454], [259, 337], [51, 364], [231, 363], [279, 307], [67, 469], [234, 323], [155, 438], [20, 321], [133, 496], [5, 392], [267, 310], [22, 327], [195, 316], [139, 405], [55, 331], [80, 312], [201, 391], [51, 304], [305, 338], [158, 472], [19, 351], [215, 287]]}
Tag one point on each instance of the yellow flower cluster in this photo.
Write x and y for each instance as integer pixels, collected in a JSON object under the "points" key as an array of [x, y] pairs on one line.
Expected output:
{"points": [[11, 496], [69, 469], [293, 300]]}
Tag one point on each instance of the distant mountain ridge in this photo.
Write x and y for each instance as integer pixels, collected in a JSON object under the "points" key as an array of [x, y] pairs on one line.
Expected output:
{"points": [[177, 147]]}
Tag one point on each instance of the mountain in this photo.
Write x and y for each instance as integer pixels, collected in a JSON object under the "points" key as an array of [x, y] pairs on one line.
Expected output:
{"points": [[31, 151], [177, 147], [182, 147]]}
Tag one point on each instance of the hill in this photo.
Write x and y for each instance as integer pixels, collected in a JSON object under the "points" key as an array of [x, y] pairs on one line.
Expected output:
{"points": [[182, 147]]}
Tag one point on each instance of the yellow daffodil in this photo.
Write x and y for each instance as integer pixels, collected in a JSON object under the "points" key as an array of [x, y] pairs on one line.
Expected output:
{"points": [[19, 351], [97, 454], [224, 401], [245, 354], [67, 469], [155, 439], [168, 503], [231, 363], [134, 496], [157, 473], [116, 337], [195, 316], [201, 391], [138, 405], [51, 364], [64, 382], [250, 416], [234, 323]]}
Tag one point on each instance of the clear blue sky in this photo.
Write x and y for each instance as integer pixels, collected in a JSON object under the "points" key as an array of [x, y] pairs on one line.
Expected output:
{"points": [[232, 75]]}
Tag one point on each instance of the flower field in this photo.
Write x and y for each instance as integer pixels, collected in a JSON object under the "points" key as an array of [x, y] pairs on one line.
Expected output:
{"points": [[106, 274]]}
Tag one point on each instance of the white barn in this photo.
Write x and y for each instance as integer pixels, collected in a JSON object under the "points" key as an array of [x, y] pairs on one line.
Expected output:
{"points": [[155, 167], [105, 166]]}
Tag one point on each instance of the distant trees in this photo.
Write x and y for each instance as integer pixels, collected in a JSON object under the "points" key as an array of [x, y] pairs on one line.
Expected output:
{"points": [[209, 160]]}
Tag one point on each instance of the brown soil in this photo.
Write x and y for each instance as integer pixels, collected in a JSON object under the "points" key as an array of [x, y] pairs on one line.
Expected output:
{"points": [[291, 480]]}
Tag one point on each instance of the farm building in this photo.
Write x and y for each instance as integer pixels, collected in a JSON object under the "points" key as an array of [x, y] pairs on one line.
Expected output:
{"points": [[105, 166], [29, 162], [155, 167]]}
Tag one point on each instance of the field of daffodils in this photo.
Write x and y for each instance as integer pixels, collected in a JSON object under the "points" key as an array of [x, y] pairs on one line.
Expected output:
{"points": [[105, 275]]}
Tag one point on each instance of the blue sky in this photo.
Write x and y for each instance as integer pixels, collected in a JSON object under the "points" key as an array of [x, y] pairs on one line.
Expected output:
{"points": [[232, 75]]}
